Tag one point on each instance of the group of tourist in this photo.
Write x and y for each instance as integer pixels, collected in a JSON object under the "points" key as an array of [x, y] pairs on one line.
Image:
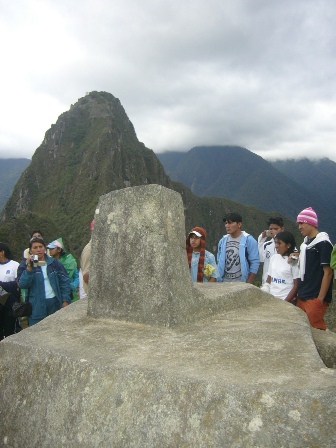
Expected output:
{"points": [[302, 277], [48, 276]]}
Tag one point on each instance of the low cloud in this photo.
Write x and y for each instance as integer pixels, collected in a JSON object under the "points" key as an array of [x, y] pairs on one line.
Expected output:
{"points": [[257, 74]]}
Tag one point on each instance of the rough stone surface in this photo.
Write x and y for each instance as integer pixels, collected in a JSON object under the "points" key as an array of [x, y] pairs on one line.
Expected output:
{"points": [[325, 342], [229, 366], [330, 316], [138, 253], [247, 377]]}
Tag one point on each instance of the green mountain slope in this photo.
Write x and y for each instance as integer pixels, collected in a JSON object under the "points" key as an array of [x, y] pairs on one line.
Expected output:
{"points": [[91, 150], [11, 170], [238, 174], [318, 177]]}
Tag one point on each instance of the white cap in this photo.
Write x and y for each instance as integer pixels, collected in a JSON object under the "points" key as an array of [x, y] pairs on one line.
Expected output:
{"points": [[196, 233]]}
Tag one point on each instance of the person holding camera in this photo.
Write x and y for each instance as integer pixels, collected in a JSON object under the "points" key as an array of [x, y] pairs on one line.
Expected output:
{"points": [[266, 243], [47, 282]]}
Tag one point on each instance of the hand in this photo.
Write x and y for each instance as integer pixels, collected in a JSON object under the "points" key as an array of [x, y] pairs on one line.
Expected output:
{"points": [[30, 263], [295, 254], [64, 304]]}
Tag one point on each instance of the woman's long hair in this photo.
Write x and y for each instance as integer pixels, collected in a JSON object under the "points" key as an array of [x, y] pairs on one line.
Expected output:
{"points": [[202, 252]]}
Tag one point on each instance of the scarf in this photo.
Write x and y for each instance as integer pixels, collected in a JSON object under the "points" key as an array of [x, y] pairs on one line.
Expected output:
{"points": [[321, 236], [189, 249]]}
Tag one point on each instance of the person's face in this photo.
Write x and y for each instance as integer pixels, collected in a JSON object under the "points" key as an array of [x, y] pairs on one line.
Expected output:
{"points": [[54, 252], [233, 228], [306, 229], [281, 247], [195, 242], [38, 249], [274, 229]]}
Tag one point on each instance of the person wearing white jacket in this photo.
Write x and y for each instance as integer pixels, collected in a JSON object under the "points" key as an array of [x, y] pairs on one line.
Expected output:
{"points": [[266, 244]]}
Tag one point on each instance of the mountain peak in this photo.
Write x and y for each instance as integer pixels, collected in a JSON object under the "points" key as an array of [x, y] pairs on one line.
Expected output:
{"points": [[91, 150]]}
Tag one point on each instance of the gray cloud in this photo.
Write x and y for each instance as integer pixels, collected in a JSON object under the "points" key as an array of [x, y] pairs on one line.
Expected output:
{"points": [[259, 74]]}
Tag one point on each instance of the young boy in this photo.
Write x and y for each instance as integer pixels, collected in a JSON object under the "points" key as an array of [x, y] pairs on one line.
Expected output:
{"points": [[237, 257], [202, 263], [315, 284], [267, 246]]}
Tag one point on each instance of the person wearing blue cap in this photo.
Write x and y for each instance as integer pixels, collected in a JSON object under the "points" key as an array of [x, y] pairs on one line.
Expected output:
{"points": [[57, 250]]}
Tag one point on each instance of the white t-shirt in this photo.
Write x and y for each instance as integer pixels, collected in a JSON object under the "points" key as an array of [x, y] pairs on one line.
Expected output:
{"points": [[49, 292], [282, 275], [8, 271]]}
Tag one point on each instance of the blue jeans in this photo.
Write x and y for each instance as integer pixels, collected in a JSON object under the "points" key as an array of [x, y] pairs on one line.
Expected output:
{"points": [[52, 305]]}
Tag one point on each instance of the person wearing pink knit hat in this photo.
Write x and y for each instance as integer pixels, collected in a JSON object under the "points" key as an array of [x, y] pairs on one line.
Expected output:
{"points": [[315, 284]]}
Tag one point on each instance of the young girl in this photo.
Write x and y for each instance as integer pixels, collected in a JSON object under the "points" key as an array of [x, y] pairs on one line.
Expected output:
{"points": [[202, 263], [283, 273]]}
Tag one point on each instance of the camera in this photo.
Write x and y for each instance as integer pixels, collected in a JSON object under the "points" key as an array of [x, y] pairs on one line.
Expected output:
{"points": [[293, 259], [268, 233], [36, 261]]}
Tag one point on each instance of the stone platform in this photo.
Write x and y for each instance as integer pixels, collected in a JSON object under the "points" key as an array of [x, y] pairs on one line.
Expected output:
{"points": [[250, 376]]}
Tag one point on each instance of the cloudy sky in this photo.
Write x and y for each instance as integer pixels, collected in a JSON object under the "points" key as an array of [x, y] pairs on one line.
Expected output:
{"points": [[255, 73]]}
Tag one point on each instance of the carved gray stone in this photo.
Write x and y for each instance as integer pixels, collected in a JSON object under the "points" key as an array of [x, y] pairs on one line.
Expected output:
{"points": [[138, 252]]}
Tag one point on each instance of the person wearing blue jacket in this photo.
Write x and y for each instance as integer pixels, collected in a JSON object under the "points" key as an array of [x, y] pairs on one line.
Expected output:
{"points": [[238, 255], [46, 280]]}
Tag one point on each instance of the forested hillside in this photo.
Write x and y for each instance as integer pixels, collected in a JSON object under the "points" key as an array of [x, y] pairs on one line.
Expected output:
{"points": [[240, 175], [91, 150]]}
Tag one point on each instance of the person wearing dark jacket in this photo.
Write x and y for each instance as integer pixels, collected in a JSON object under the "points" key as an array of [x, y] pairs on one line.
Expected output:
{"points": [[315, 285], [47, 282], [9, 292]]}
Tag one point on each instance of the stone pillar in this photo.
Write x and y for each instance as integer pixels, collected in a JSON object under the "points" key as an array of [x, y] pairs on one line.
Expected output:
{"points": [[139, 270]]}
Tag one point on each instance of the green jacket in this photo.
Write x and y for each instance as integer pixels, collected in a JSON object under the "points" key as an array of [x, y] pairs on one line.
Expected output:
{"points": [[333, 258], [70, 264]]}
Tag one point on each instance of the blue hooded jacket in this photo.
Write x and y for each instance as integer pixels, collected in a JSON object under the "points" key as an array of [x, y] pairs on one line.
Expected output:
{"points": [[248, 247]]}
